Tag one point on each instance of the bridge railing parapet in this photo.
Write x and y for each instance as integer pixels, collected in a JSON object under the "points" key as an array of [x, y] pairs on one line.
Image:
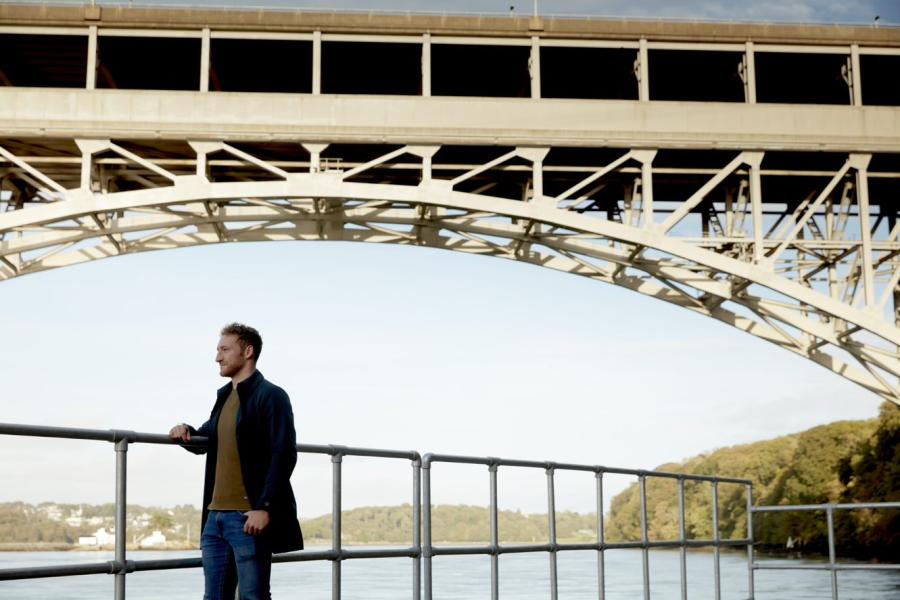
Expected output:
{"points": [[212, 50], [423, 550]]}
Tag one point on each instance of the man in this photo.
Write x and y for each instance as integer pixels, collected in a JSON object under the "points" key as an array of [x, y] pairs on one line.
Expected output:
{"points": [[249, 510]]}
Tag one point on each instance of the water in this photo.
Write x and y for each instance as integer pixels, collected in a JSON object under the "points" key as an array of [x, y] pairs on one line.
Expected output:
{"points": [[522, 577]]}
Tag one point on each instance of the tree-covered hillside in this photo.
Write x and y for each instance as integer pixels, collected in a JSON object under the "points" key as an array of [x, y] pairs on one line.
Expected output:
{"points": [[466, 524], [846, 461], [48, 523]]}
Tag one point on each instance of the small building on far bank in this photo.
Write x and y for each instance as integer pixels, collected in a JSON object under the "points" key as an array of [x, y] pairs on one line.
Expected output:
{"points": [[155, 539], [100, 538]]}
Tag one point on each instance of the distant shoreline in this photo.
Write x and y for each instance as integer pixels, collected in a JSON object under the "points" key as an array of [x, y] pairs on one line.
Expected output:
{"points": [[62, 547]]}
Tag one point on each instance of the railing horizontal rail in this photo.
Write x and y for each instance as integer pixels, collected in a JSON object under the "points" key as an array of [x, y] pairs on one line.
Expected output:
{"points": [[428, 459], [163, 564], [114, 435], [522, 548], [824, 507], [347, 554], [824, 567], [112, 567], [99, 568], [324, 8]]}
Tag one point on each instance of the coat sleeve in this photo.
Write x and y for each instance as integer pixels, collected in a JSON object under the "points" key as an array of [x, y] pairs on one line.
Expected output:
{"points": [[202, 431], [278, 419]]}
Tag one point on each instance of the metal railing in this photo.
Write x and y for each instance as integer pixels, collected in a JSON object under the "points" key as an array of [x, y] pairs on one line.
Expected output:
{"points": [[495, 549], [120, 566], [833, 565], [422, 551]]}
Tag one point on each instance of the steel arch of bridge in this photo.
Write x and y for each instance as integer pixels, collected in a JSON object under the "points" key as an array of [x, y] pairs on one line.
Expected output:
{"points": [[759, 282]]}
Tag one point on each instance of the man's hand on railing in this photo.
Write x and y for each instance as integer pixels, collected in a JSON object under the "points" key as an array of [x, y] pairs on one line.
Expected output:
{"points": [[180, 432]]}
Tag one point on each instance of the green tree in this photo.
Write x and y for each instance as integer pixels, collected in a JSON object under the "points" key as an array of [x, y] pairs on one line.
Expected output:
{"points": [[801, 468], [871, 473]]}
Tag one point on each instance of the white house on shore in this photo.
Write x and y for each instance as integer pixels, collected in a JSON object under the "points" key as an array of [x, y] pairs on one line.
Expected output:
{"points": [[154, 539], [100, 538]]}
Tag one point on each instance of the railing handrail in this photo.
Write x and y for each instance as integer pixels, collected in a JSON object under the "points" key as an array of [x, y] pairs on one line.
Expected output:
{"points": [[524, 14], [429, 458], [824, 507], [115, 435]]}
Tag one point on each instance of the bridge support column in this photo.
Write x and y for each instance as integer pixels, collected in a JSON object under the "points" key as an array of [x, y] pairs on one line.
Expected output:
{"points": [[855, 76], [317, 63], [534, 67], [642, 71], [426, 65], [748, 74], [91, 79], [204, 60]]}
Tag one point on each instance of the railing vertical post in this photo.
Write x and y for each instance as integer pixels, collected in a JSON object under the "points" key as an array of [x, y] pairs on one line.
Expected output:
{"points": [[682, 537], [426, 528], [417, 527], [336, 460], [716, 553], [829, 515], [495, 535], [751, 572], [121, 514], [645, 538], [551, 517], [601, 540]]}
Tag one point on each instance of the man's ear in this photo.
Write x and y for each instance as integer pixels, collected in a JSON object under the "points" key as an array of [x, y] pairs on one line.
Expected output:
{"points": [[249, 352]]}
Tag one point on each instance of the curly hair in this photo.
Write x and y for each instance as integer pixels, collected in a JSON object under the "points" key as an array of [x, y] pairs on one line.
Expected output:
{"points": [[246, 335]]}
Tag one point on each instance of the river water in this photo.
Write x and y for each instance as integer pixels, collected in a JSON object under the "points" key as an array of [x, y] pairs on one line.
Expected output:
{"points": [[522, 577]]}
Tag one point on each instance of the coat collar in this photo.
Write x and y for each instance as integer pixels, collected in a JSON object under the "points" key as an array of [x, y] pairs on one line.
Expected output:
{"points": [[244, 387]]}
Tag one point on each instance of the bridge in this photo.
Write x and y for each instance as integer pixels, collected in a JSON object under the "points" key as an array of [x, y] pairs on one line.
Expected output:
{"points": [[746, 172]]}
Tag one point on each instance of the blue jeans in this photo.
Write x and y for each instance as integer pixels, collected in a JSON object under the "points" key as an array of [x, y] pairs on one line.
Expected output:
{"points": [[224, 547]]}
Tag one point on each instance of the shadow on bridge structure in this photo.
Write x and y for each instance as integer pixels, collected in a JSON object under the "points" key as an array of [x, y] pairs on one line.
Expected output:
{"points": [[749, 173]]}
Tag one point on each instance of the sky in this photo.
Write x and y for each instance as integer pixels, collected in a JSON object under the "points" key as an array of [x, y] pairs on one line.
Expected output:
{"points": [[400, 348]]}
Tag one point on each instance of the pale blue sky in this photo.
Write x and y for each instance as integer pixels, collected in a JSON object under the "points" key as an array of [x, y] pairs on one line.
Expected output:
{"points": [[390, 347], [395, 347]]}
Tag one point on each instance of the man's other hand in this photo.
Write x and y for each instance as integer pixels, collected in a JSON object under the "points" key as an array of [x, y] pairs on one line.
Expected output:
{"points": [[257, 520], [180, 432]]}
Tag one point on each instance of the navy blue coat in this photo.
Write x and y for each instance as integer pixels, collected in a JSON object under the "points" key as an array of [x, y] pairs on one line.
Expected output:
{"points": [[267, 448]]}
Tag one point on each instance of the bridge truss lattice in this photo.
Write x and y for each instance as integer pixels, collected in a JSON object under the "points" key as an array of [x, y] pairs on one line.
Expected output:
{"points": [[779, 220]]}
